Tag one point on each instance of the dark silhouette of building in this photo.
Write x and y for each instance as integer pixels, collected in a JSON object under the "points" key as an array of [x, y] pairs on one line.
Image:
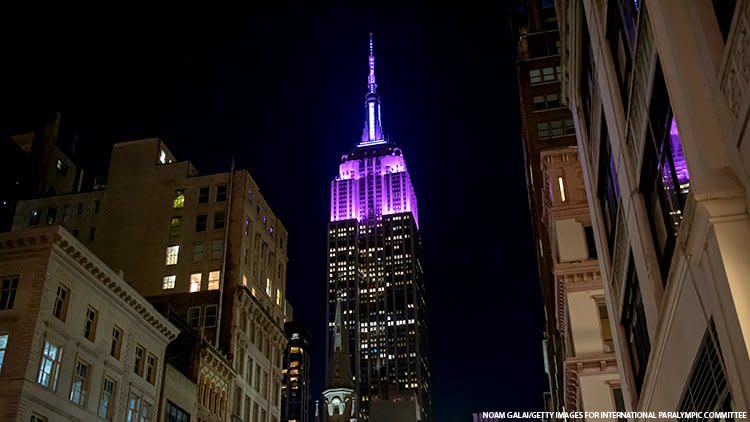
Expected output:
{"points": [[295, 375]]}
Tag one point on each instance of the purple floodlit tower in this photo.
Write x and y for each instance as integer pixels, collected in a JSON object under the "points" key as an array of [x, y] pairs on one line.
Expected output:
{"points": [[375, 266]]}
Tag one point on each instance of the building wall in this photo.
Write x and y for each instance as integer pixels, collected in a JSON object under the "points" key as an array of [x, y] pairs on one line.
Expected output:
{"points": [[43, 259], [688, 273]]}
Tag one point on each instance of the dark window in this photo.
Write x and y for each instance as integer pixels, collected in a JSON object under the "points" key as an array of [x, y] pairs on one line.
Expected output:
{"points": [[619, 402], [621, 35], [634, 326], [203, 195], [194, 316], [92, 233], [51, 215], [221, 193], [80, 208], [62, 167], [587, 76], [724, 10], [96, 207], [75, 233], [590, 242], [608, 190], [8, 292], [219, 220], [200, 222], [707, 389], [210, 318], [176, 414]]}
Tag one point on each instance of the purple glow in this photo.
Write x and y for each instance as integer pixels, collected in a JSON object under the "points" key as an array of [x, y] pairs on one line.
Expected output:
{"points": [[384, 183], [680, 165], [373, 131]]}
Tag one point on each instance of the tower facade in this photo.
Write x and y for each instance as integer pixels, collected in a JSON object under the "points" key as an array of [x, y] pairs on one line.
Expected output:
{"points": [[374, 261]]}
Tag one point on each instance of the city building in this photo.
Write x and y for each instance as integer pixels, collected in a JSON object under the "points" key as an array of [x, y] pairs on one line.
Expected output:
{"points": [[579, 354], [295, 377], [77, 342], [375, 264], [340, 399], [395, 406], [207, 248], [658, 92]]}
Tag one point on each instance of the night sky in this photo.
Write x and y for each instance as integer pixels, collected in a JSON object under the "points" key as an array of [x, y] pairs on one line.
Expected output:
{"points": [[281, 90]]}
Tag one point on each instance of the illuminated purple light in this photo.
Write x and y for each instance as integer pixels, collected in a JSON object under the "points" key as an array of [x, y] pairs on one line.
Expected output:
{"points": [[678, 156]]}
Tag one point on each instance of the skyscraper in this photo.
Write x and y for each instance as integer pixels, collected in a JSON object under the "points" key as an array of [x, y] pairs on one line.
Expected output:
{"points": [[375, 262]]}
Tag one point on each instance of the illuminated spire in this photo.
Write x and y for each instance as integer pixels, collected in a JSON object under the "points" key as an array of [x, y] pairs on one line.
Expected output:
{"points": [[373, 131], [371, 78]]}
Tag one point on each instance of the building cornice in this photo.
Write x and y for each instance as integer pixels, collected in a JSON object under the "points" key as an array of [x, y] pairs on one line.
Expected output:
{"points": [[50, 237]]}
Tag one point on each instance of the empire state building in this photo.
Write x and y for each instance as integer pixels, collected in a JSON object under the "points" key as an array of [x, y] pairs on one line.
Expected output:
{"points": [[375, 268]]}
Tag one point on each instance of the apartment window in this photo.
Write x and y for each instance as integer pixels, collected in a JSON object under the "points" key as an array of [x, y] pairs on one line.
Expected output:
{"points": [[175, 413], [621, 16], [138, 409], [175, 226], [546, 102], [195, 282], [96, 207], [278, 297], [194, 316], [590, 242], [217, 249], [106, 401], [665, 180], [619, 401], [92, 233], [608, 189], [3, 348], [34, 220], [213, 280], [179, 199], [197, 251], [60, 308], [169, 282], [535, 76], [50, 365], [244, 280], [8, 292], [201, 221], [140, 357], [80, 208], [210, 318], [707, 389], [173, 253], [35, 417], [219, 220], [221, 193], [51, 215], [605, 327], [162, 156], [75, 233], [116, 345], [634, 326], [151, 367], [542, 130], [203, 195], [78, 389], [89, 325], [268, 286]]}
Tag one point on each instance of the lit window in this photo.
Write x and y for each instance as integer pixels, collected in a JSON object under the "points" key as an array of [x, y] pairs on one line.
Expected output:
{"points": [[179, 199], [89, 326], [50, 365], [116, 346], [175, 226], [278, 297], [60, 308], [34, 220], [172, 254], [561, 183], [107, 398], [162, 156], [62, 167], [194, 316], [8, 292], [213, 280], [138, 409], [210, 318], [151, 367], [244, 280], [268, 286], [3, 347], [169, 281], [139, 360], [195, 282], [80, 383]]}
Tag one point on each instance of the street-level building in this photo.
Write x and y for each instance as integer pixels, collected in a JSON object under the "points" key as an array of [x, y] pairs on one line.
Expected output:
{"points": [[659, 93]]}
